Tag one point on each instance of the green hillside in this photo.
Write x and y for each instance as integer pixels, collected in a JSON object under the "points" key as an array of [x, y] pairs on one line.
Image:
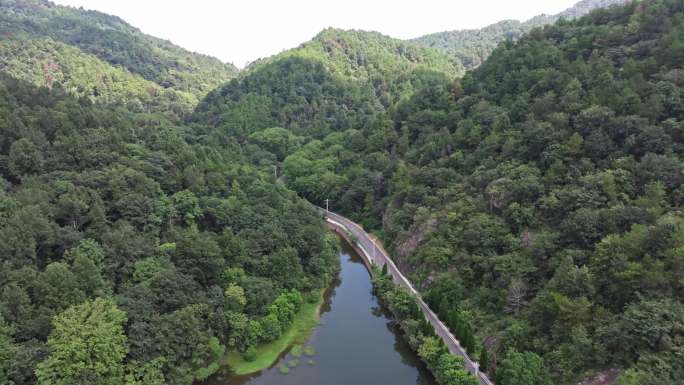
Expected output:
{"points": [[536, 202], [101, 57], [362, 55], [473, 46], [114, 41], [157, 247], [337, 81]]}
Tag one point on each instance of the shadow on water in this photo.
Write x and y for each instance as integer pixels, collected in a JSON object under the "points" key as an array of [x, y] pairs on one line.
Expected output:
{"points": [[355, 343]]}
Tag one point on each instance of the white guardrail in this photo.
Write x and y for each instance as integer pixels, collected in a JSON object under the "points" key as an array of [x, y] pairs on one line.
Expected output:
{"points": [[376, 255]]}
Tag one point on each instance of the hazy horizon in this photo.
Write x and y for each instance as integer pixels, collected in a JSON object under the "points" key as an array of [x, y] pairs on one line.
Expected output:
{"points": [[246, 31]]}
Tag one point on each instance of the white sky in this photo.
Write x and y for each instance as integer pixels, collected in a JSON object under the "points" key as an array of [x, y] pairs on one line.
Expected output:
{"points": [[239, 31]]}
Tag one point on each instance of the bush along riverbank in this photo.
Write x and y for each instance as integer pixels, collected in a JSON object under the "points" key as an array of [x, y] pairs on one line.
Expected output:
{"points": [[256, 343], [277, 337], [447, 368], [290, 320]]}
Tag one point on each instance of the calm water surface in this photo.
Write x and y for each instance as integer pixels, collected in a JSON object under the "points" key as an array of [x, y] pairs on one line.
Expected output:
{"points": [[355, 343]]}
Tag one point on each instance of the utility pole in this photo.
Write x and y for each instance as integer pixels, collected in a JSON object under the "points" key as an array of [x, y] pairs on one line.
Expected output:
{"points": [[275, 171], [326, 205]]}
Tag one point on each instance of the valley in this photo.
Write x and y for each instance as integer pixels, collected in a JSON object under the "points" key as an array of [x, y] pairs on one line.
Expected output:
{"points": [[158, 207], [354, 342]]}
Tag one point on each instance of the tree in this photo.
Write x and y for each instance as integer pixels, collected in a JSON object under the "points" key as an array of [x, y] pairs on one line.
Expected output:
{"points": [[430, 350], [484, 360], [235, 297], [7, 352], [148, 373], [186, 206], [198, 254], [58, 287], [86, 263], [88, 346], [271, 327], [239, 331], [16, 309], [469, 338], [28, 355], [517, 291], [645, 326], [572, 280], [25, 158], [524, 368]]}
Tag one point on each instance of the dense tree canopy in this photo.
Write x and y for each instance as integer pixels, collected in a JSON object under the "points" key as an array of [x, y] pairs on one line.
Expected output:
{"points": [[165, 233], [536, 202], [473, 46], [101, 57]]}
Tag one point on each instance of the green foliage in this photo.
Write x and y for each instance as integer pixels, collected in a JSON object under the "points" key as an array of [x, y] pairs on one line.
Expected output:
{"points": [[340, 80], [447, 368], [537, 198], [102, 59], [368, 55], [54, 29], [483, 360], [309, 351], [87, 345], [296, 351], [24, 158], [250, 354], [133, 204], [473, 46], [8, 351], [149, 373], [522, 368]]}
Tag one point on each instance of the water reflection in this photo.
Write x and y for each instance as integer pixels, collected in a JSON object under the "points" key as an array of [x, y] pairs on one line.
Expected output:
{"points": [[356, 343]]}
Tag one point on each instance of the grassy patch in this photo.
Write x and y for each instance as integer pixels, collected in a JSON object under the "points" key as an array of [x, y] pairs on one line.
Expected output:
{"points": [[302, 325], [296, 351], [309, 351]]}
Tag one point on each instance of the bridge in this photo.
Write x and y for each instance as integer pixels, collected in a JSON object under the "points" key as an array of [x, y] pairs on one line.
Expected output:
{"points": [[376, 255]]}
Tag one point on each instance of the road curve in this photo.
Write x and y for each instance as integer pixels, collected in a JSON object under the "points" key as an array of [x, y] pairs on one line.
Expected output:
{"points": [[376, 255]]}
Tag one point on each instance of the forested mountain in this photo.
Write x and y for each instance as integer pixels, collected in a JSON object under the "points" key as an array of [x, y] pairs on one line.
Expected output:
{"points": [[101, 57], [337, 81], [536, 201], [154, 245], [367, 55], [473, 46]]}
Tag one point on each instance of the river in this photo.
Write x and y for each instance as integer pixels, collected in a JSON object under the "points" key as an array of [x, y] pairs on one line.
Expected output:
{"points": [[355, 343]]}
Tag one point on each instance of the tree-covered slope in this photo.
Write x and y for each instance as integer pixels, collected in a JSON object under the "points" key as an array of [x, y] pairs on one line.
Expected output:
{"points": [[49, 63], [113, 40], [102, 58], [536, 202], [337, 81], [473, 46], [366, 55], [155, 246], [300, 94]]}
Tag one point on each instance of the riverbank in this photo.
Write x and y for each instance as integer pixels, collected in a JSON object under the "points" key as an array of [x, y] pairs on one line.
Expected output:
{"points": [[411, 307], [266, 355]]}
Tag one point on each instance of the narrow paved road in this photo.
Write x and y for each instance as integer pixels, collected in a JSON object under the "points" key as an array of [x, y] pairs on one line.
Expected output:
{"points": [[376, 255]]}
